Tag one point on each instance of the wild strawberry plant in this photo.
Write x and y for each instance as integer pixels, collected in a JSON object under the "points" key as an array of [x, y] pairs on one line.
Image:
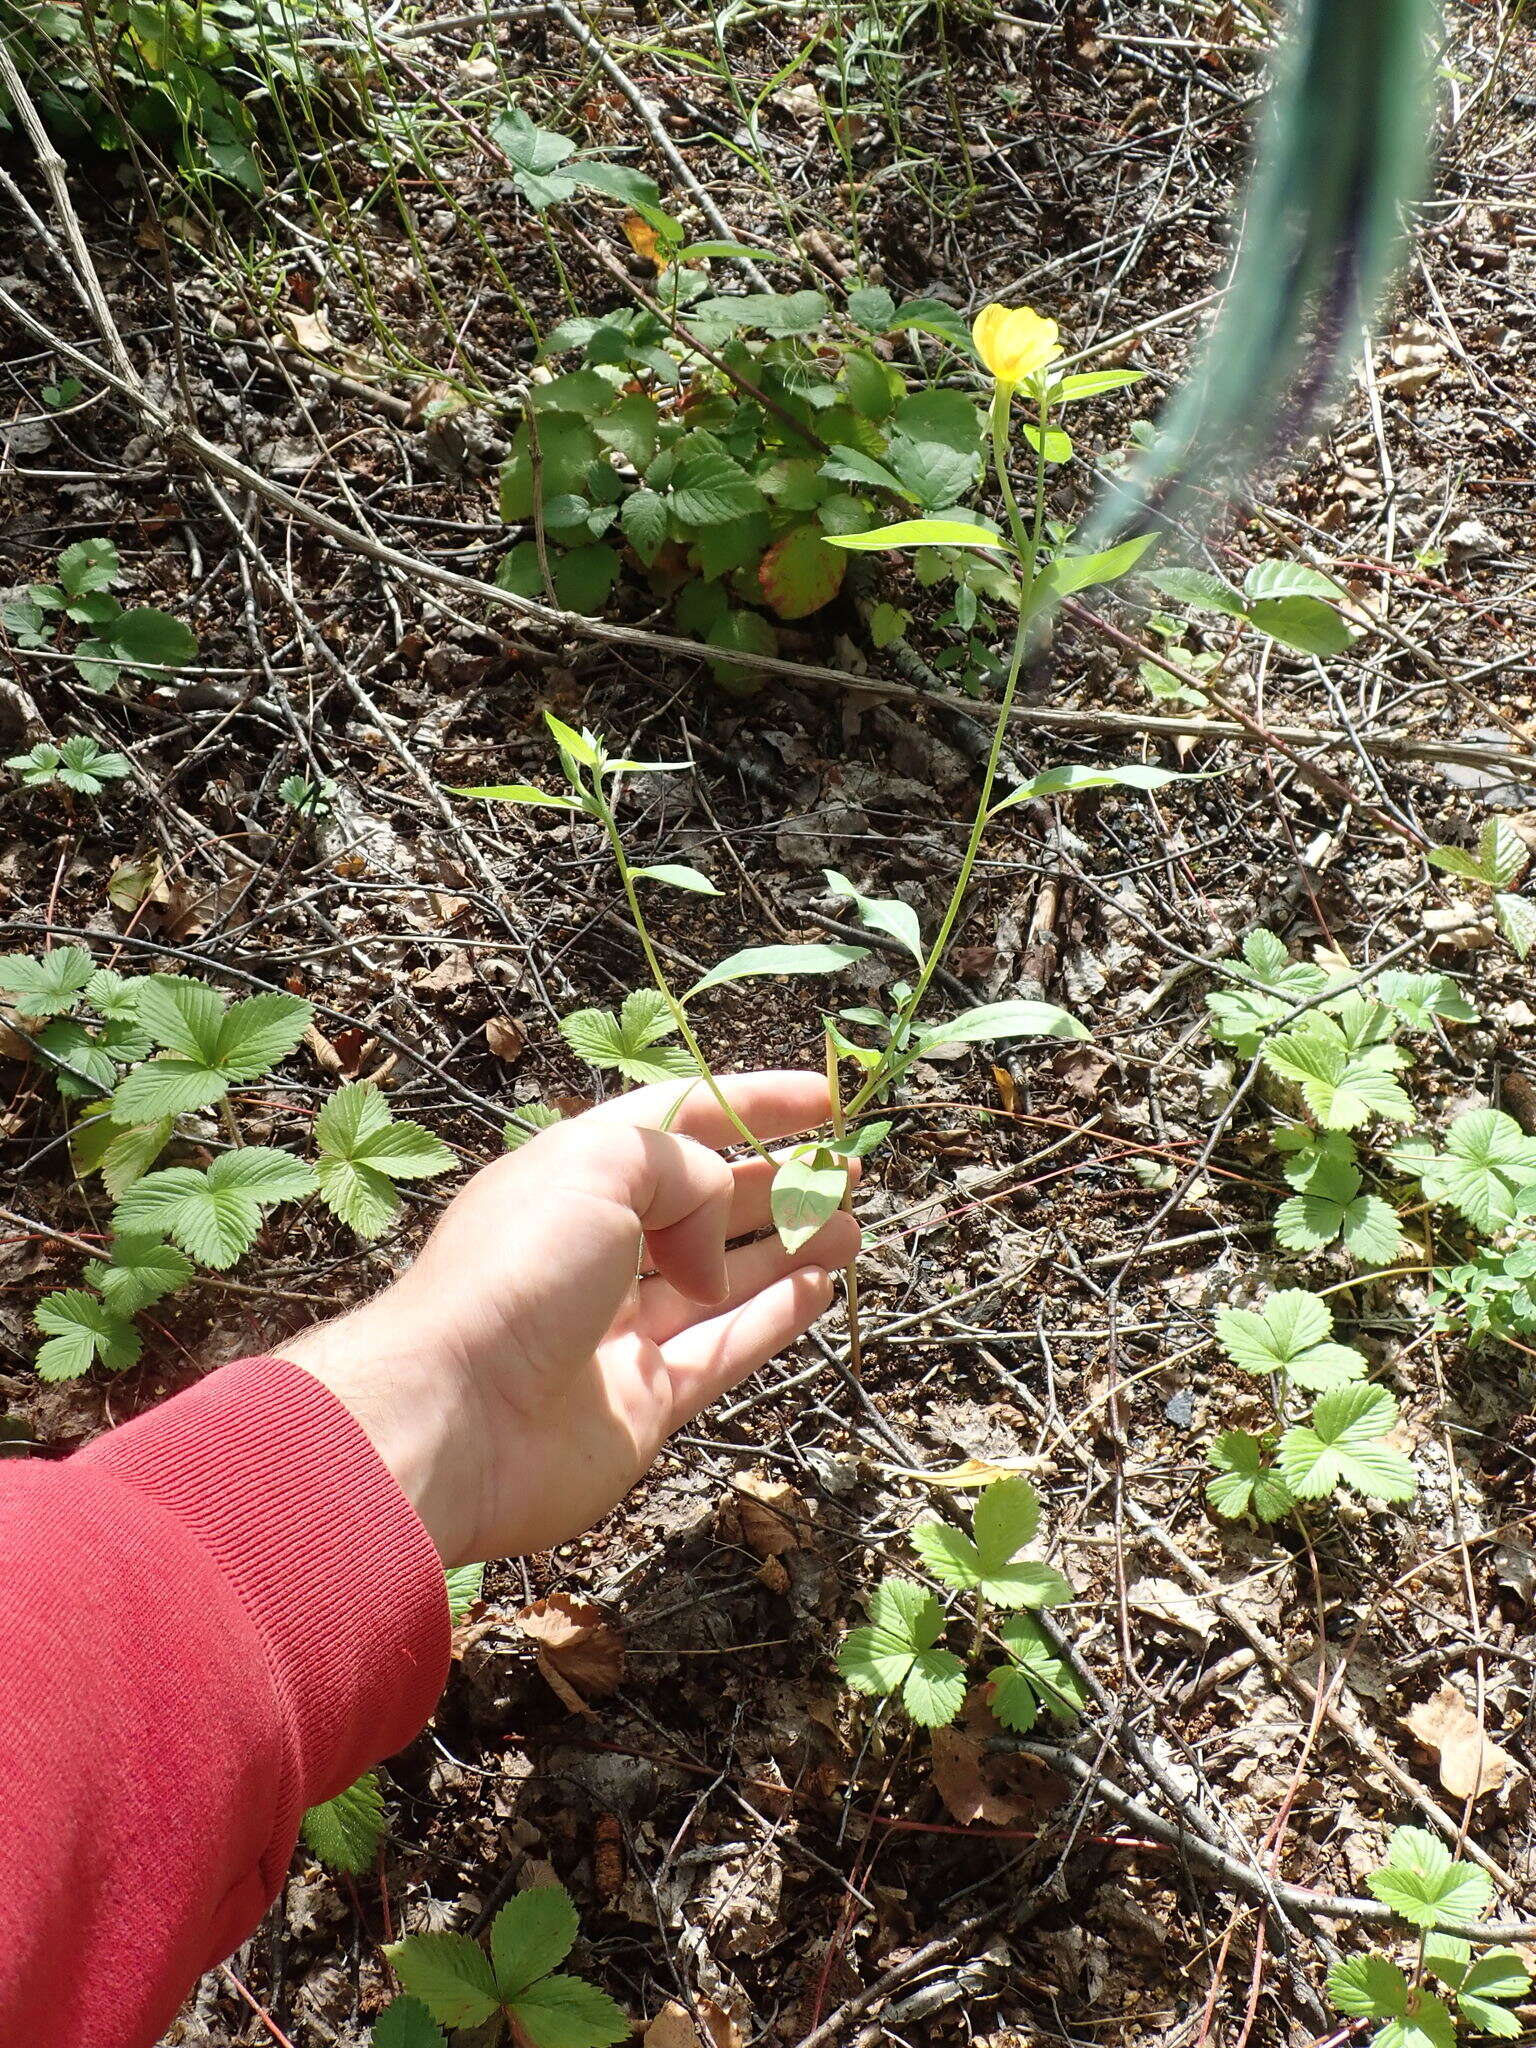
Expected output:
{"points": [[116, 644]]}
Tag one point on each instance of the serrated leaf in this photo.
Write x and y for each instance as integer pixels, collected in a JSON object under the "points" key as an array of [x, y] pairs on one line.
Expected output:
{"points": [[89, 565], [1420, 998], [526, 1122], [1488, 1160], [449, 1973], [807, 1191], [709, 489], [755, 960], [1516, 917], [1502, 854], [643, 517], [151, 640], [47, 984], [1344, 1443], [801, 572], [530, 1936], [345, 1832], [1342, 1086], [567, 2012], [1426, 1885], [991, 1022], [1007, 1516], [406, 2023], [1368, 1988], [357, 1124], [1245, 1481], [80, 1330], [1034, 1659], [139, 1270], [934, 1691], [886, 914], [629, 1044], [213, 1216], [465, 1583], [904, 1620], [1290, 1334]]}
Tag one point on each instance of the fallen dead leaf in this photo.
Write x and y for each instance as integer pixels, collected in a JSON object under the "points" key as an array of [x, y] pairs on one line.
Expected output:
{"points": [[971, 1472], [675, 2027], [577, 1651], [505, 1037], [642, 238], [308, 330], [1162, 1600], [957, 1778], [327, 1058], [767, 1514], [1471, 1763]]}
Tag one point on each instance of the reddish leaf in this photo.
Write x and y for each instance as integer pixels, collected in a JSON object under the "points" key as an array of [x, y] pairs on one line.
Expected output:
{"points": [[800, 573]]}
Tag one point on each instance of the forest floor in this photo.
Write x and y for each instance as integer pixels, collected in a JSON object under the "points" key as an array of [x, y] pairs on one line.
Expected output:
{"points": [[1049, 1236]]}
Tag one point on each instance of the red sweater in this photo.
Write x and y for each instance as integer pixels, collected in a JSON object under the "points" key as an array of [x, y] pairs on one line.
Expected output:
{"points": [[216, 1616]]}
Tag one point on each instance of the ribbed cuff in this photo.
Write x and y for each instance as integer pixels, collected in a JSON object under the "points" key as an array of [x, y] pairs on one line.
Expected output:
{"points": [[339, 1578]]}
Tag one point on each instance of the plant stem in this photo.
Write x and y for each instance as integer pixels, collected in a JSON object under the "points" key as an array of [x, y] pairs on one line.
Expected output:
{"points": [[1027, 541], [851, 1270], [658, 973]]}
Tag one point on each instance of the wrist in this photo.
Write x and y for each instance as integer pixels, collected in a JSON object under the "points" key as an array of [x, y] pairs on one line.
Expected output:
{"points": [[407, 1398]]}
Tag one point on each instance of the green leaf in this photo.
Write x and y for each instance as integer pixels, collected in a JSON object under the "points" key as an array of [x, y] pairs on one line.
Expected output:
{"points": [[465, 1584], [1343, 1086], [872, 307], [534, 154], [211, 1046], [808, 1189], [801, 572], [780, 314], [80, 1330], [1369, 1988], [1305, 623], [740, 632], [131, 1152], [89, 565], [1033, 1668], [449, 1973], [1344, 1443], [853, 466], [567, 445], [213, 1216], [1197, 587], [406, 2023], [1420, 998], [1487, 1162], [345, 1832], [643, 516], [1246, 1482], [1057, 445], [1484, 1989], [364, 1151], [754, 960], [886, 914], [1069, 573], [516, 793], [922, 533], [630, 1043], [1089, 383], [1007, 1515], [896, 1652], [1516, 917], [1073, 777], [676, 877], [567, 2012], [1268, 581], [990, 1022], [530, 1936], [709, 489], [139, 1270], [1423, 1883], [1291, 1334], [49, 983], [150, 639]]}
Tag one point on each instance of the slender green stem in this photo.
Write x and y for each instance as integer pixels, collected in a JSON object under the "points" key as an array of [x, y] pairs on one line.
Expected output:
{"points": [[1027, 541], [658, 972]]}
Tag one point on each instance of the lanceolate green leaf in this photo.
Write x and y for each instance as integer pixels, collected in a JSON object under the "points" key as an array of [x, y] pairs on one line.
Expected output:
{"points": [[990, 1022], [755, 960], [1069, 779], [886, 914], [922, 533]]}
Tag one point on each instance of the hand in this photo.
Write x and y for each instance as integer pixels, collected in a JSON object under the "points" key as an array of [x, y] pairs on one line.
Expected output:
{"points": [[521, 1377]]}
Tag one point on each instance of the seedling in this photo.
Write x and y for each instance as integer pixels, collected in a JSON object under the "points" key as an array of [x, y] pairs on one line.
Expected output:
{"points": [[80, 764], [517, 1985], [119, 644], [1501, 858]]}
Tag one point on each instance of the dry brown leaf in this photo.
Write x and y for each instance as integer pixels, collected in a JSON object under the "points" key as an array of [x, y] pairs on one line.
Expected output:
{"points": [[505, 1037], [1471, 1762], [327, 1058], [1165, 1601], [770, 1515], [675, 2027], [972, 1471], [309, 330], [132, 880], [579, 1653], [959, 1783], [15, 1040]]}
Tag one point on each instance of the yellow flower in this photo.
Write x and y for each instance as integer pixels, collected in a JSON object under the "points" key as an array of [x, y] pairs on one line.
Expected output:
{"points": [[1014, 342]]}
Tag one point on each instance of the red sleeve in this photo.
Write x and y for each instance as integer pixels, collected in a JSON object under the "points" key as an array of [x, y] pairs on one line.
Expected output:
{"points": [[212, 1618]]}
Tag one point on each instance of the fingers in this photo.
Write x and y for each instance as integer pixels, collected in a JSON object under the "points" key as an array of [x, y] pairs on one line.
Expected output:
{"points": [[678, 1192], [708, 1360], [663, 1313], [774, 1104]]}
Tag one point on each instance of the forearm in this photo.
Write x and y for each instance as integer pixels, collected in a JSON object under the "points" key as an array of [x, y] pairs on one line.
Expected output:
{"points": [[214, 1617]]}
